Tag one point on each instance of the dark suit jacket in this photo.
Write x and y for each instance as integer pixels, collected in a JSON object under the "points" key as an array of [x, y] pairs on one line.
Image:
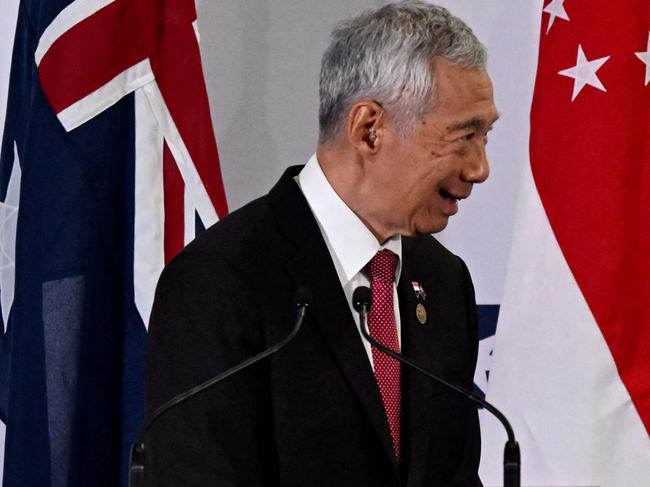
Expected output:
{"points": [[312, 414]]}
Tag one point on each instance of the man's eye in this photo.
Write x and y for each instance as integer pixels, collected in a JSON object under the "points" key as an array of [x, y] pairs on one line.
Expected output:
{"points": [[469, 136]]}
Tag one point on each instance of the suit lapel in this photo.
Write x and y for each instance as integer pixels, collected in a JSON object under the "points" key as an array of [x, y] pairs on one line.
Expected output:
{"points": [[417, 345], [312, 266]]}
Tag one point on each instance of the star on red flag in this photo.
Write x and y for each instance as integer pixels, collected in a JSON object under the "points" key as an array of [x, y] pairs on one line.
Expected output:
{"points": [[556, 10], [645, 58], [584, 73]]}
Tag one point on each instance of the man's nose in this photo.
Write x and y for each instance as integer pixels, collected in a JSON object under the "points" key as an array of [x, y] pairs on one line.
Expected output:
{"points": [[477, 167]]}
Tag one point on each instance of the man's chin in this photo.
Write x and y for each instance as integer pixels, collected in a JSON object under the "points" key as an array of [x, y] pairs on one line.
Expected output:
{"points": [[438, 228], [428, 228]]}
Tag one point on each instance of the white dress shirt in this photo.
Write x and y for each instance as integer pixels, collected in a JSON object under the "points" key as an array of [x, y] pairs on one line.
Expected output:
{"points": [[351, 244]]}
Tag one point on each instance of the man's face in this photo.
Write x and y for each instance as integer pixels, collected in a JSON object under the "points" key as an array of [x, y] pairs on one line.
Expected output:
{"points": [[421, 178]]}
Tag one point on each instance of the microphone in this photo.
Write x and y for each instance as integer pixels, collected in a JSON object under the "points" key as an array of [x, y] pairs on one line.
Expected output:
{"points": [[361, 301], [303, 300]]}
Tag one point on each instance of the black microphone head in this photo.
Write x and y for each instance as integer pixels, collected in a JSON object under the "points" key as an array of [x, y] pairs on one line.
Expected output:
{"points": [[361, 297], [302, 297]]}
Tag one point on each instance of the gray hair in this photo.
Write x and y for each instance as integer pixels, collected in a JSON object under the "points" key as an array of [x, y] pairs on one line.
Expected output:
{"points": [[385, 55]]}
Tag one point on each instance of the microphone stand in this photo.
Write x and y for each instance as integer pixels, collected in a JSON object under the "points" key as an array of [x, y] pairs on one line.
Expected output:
{"points": [[511, 454], [137, 454]]}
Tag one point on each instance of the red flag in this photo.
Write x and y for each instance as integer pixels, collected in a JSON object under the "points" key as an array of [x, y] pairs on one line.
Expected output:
{"points": [[590, 153]]}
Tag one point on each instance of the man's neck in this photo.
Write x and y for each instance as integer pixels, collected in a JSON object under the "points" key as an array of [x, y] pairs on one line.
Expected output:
{"points": [[345, 171]]}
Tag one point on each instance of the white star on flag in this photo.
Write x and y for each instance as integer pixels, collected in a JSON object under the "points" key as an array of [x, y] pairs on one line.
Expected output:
{"points": [[645, 57], [584, 72], [555, 9], [8, 222]]}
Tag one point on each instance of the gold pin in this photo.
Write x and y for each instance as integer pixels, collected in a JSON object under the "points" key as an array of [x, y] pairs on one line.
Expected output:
{"points": [[421, 313]]}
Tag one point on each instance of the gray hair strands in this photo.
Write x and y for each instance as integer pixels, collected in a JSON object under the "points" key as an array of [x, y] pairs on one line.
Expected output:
{"points": [[385, 55]]}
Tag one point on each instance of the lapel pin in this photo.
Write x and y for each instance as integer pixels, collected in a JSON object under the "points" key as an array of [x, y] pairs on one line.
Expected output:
{"points": [[419, 290], [421, 313]]}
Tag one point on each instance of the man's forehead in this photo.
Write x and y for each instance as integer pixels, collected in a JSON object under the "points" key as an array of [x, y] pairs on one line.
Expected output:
{"points": [[463, 96]]}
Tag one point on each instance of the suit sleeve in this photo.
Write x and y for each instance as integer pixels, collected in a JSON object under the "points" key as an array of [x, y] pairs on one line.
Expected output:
{"points": [[204, 320], [467, 474]]}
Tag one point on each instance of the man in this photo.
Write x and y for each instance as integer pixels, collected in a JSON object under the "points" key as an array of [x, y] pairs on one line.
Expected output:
{"points": [[406, 105]]}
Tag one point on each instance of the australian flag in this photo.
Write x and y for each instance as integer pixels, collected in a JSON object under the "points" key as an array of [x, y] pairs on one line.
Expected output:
{"points": [[108, 166]]}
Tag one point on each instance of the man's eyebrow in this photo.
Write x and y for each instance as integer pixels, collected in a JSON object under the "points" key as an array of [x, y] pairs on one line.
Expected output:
{"points": [[472, 123]]}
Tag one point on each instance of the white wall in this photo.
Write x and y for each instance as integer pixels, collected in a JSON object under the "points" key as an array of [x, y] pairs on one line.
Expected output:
{"points": [[8, 15]]}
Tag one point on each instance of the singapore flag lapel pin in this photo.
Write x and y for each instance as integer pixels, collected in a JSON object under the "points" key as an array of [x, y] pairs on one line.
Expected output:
{"points": [[420, 310], [419, 290]]}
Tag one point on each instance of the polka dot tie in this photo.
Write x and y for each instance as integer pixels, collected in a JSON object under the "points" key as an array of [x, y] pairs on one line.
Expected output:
{"points": [[381, 323]]}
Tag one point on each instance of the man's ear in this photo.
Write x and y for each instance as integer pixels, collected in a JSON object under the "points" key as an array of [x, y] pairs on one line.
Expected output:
{"points": [[365, 126]]}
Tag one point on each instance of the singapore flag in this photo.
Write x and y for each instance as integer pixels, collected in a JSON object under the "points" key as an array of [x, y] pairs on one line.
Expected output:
{"points": [[571, 362]]}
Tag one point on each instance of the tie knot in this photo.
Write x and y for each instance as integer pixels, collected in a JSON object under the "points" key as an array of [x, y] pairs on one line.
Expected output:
{"points": [[383, 266]]}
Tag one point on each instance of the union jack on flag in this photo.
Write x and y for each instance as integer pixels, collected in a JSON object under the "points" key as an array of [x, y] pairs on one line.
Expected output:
{"points": [[108, 167]]}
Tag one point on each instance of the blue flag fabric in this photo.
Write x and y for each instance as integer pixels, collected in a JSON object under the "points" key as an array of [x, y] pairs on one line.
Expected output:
{"points": [[72, 355]]}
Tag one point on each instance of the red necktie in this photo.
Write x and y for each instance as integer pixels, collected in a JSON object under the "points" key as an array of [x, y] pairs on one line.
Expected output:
{"points": [[381, 323]]}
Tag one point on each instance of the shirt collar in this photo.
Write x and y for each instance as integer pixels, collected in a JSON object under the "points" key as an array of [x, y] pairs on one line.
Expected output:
{"points": [[350, 242]]}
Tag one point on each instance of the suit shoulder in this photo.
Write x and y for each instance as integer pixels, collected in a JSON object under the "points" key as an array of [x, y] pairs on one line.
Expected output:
{"points": [[426, 247], [242, 231]]}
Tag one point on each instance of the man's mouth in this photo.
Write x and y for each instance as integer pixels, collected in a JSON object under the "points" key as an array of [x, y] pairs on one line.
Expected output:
{"points": [[448, 195], [450, 200]]}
